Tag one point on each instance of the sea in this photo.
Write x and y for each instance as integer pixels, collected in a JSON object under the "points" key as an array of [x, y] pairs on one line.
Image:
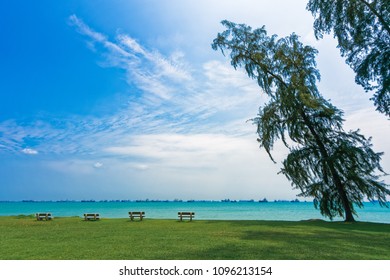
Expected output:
{"points": [[204, 210]]}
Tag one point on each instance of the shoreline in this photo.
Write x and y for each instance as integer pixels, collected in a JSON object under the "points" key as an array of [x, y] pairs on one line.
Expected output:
{"points": [[81, 218], [277, 211]]}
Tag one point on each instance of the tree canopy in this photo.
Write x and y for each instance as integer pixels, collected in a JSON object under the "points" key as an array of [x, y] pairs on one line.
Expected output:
{"points": [[362, 29], [337, 168]]}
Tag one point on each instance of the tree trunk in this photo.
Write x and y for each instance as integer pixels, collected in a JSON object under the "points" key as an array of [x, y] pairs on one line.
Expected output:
{"points": [[348, 215], [340, 188]]}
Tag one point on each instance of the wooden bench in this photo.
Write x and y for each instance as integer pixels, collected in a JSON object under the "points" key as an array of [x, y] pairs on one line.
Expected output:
{"points": [[139, 215], [91, 217], [183, 215], [43, 216]]}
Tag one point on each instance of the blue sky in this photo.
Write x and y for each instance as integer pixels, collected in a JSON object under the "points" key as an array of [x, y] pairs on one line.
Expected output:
{"points": [[127, 100]]}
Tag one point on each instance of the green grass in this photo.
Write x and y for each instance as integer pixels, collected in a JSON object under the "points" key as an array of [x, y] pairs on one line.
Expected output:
{"points": [[22, 237]]}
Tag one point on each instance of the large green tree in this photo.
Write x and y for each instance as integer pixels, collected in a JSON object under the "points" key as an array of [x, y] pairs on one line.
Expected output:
{"points": [[337, 168], [362, 29]]}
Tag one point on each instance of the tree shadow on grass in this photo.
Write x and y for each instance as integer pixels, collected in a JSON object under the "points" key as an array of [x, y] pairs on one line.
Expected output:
{"points": [[339, 226], [306, 240], [285, 246]]}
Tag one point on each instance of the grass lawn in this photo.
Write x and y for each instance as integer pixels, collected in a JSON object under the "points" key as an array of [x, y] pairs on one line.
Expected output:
{"points": [[72, 238]]}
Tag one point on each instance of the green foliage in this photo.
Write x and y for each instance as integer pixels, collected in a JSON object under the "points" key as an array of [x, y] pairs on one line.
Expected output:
{"points": [[337, 168], [363, 33], [120, 239]]}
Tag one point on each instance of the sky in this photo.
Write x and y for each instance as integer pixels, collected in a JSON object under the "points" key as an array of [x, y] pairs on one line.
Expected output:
{"points": [[125, 99]]}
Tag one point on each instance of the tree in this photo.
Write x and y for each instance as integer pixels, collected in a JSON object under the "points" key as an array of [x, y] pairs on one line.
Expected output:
{"points": [[335, 167], [362, 30]]}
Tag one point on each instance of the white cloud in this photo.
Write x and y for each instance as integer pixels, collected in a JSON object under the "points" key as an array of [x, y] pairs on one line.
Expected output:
{"points": [[208, 166], [29, 151], [141, 167], [166, 67], [98, 165], [85, 29], [132, 44], [182, 150], [148, 70], [72, 166]]}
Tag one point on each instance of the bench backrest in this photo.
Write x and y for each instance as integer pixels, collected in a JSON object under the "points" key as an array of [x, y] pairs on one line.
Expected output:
{"points": [[91, 216], [136, 213], [43, 216], [186, 213]]}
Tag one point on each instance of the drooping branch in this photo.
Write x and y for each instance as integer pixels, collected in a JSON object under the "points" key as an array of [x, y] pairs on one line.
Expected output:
{"points": [[378, 15]]}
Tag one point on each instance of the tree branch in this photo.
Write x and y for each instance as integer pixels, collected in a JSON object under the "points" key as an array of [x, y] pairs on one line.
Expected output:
{"points": [[378, 15]]}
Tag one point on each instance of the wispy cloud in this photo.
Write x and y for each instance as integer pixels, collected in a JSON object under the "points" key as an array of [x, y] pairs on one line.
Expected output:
{"points": [[172, 67], [177, 109], [148, 70], [29, 151], [98, 165]]}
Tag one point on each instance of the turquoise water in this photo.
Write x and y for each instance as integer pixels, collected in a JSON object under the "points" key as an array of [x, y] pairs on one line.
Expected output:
{"points": [[286, 211]]}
